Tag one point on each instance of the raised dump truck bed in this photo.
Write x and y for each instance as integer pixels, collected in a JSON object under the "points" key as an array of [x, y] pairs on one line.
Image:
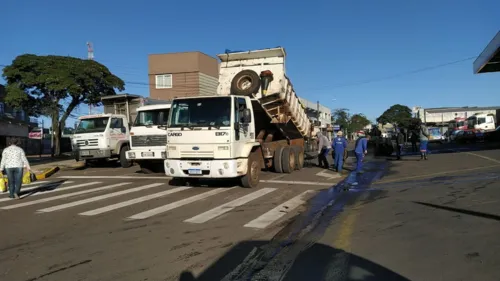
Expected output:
{"points": [[261, 75]]}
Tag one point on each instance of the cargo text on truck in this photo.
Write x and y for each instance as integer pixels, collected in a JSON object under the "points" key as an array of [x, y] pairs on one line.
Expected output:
{"points": [[255, 121]]}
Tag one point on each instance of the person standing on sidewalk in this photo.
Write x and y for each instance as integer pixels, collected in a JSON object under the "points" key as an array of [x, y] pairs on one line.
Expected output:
{"points": [[360, 150], [324, 148], [400, 141], [13, 162], [424, 140], [339, 145]]}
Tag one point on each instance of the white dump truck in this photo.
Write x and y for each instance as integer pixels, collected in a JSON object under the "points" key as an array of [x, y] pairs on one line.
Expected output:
{"points": [[99, 137], [148, 137], [255, 121]]}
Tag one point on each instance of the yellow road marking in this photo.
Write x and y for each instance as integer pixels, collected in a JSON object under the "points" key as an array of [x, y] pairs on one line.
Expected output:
{"points": [[434, 174], [343, 239], [484, 157]]}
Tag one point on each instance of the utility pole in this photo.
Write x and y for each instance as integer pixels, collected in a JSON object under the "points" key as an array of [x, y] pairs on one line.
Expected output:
{"points": [[41, 140], [90, 56]]}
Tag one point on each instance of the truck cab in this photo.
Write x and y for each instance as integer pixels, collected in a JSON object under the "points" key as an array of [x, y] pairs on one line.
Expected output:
{"points": [[482, 122], [148, 137], [210, 137], [101, 136]]}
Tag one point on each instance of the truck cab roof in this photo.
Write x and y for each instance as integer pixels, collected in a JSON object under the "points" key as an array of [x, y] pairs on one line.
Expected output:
{"points": [[154, 107]]}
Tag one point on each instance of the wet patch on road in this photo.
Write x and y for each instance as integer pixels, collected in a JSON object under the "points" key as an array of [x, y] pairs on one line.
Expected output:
{"points": [[273, 260]]}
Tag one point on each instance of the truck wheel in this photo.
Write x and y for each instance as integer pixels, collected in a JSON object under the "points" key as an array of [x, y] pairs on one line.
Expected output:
{"points": [[288, 160], [245, 83], [277, 160], [299, 157], [123, 159], [251, 179]]}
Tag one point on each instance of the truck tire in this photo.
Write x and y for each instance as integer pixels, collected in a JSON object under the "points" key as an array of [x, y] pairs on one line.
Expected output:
{"points": [[252, 178], [123, 159], [288, 160], [299, 157], [277, 160], [245, 83]]}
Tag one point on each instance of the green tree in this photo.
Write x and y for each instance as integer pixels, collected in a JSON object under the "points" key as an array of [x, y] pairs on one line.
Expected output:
{"points": [[358, 122], [397, 115], [348, 122], [55, 85], [341, 117]]}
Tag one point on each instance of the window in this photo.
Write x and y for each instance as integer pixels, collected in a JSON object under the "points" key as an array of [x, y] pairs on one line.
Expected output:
{"points": [[240, 105], [2, 109], [164, 81]]}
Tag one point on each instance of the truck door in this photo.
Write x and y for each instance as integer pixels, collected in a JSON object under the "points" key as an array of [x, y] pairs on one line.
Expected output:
{"points": [[246, 131], [118, 130]]}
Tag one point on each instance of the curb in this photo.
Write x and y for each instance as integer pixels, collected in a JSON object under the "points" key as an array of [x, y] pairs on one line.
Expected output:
{"points": [[47, 173]]}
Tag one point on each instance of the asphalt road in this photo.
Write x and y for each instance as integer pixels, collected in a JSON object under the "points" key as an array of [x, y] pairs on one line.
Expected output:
{"points": [[404, 220]]}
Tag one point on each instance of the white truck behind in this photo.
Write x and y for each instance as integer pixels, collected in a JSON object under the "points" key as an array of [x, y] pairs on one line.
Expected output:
{"points": [[255, 121], [148, 138], [99, 137]]}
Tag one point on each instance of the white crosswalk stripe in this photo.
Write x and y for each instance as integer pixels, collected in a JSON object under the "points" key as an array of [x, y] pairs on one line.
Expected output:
{"points": [[177, 204], [106, 190], [132, 202], [29, 203], [275, 214], [224, 208], [56, 189], [97, 198]]}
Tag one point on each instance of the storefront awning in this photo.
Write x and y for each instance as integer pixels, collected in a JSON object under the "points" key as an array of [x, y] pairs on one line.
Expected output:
{"points": [[489, 59]]}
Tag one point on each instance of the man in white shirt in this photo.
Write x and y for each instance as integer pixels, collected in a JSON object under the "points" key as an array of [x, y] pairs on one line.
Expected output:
{"points": [[13, 161]]}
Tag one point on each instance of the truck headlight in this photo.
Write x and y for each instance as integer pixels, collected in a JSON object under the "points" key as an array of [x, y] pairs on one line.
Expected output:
{"points": [[131, 154], [224, 147]]}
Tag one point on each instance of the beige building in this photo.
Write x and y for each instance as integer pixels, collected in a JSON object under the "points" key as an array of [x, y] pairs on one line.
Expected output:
{"points": [[182, 74]]}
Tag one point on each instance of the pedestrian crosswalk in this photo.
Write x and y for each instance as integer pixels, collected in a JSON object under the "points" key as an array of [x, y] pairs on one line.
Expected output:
{"points": [[144, 199]]}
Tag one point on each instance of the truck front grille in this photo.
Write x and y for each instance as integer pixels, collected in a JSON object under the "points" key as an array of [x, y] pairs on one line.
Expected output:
{"points": [[197, 154], [153, 140], [89, 142]]}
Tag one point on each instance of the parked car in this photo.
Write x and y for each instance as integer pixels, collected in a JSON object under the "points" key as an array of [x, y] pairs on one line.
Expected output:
{"points": [[465, 136]]}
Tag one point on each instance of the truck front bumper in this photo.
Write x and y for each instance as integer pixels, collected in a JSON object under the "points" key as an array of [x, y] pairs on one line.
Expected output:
{"points": [[145, 154], [205, 169], [93, 153]]}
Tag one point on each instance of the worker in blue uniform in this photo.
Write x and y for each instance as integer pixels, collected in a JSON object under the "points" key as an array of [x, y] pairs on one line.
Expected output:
{"points": [[360, 150], [339, 145]]}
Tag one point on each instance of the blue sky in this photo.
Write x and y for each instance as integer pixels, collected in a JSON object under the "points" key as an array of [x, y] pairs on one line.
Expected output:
{"points": [[331, 45]]}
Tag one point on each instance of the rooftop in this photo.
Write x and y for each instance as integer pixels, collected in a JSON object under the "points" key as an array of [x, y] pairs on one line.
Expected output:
{"points": [[489, 59], [463, 108]]}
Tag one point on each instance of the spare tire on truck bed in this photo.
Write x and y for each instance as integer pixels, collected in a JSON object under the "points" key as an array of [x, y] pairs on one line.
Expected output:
{"points": [[245, 83]]}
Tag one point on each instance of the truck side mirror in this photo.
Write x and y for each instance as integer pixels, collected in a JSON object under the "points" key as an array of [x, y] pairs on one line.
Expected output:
{"points": [[246, 116]]}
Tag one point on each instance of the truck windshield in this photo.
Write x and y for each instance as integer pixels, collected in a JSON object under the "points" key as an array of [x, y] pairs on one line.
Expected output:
{"points": [[152, 117], [92, 125], [198, 112]]}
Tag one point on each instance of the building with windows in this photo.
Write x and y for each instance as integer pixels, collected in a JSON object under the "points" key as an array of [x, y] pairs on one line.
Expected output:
{"points": [[320, 115], [13, 123], [182, 74]]}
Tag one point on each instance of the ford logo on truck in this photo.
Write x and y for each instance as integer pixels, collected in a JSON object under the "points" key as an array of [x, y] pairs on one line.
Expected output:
{"points": [[174, 134], [196, 148]]}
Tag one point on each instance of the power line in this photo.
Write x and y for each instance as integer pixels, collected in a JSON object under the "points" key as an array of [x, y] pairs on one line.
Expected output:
{"points": [[356, 83]]}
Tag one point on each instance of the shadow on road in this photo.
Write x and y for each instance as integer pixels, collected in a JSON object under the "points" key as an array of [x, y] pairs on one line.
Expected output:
{"points": [[462, 211], [249, 260], [43, 188]]}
